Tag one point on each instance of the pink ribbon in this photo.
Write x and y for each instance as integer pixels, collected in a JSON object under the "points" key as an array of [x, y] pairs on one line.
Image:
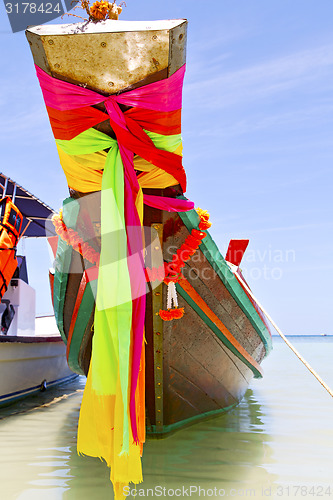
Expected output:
{"points": [[164, 95], [168, 204]]}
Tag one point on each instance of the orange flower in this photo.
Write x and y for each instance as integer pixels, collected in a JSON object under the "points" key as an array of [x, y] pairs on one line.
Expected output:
{"points": [[203, 214], [178, 313], [187, 247], [166, 315], [205, 225], [192, 242], [72, 238], [177, 263], [184, 252], [200, 235], [171, 314], [171, 269], [99, 10]]}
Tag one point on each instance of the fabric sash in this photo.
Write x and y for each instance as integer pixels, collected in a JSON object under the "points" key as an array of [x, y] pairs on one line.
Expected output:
{"points": [[150, 130]]}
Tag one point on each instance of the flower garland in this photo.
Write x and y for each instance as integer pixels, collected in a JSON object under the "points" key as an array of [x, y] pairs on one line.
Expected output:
{"points": [[73, 239], [172, 313], [172, 270]]}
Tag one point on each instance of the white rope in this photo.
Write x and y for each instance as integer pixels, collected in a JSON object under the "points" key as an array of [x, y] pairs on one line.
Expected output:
{"points": [[172, 295], [300, 357]]}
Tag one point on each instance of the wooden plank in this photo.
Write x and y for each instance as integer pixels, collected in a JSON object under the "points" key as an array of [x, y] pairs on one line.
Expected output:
{"points": [[225, 335], [157, 304]]}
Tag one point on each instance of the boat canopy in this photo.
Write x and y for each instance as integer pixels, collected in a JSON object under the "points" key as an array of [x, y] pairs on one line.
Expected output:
{"points": [[35, 212]]}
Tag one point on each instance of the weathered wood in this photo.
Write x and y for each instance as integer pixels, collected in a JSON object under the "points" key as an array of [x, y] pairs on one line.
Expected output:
{"points": [[200, 374]]}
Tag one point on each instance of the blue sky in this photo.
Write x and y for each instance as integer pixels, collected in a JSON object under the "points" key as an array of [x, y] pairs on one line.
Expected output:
{"points": [[257, 131]]}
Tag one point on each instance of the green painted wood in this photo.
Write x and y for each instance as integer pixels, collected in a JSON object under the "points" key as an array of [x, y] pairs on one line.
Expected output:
{"points": [[152, 430], [86, 308], [217, 331], [62, 264], [210, 250]]}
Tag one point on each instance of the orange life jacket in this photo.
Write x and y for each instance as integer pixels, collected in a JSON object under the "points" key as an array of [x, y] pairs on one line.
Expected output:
{"points": [[10, 229]]}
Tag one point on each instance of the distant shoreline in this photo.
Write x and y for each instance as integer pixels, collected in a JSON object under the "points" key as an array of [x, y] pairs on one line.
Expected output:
{"points": [[317, 336]]}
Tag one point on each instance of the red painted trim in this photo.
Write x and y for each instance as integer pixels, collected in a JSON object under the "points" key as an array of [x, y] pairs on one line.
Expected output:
{"points": [[78, 301]]}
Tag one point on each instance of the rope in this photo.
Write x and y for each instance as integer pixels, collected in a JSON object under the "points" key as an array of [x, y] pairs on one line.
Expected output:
{"points": [[289, 344]]}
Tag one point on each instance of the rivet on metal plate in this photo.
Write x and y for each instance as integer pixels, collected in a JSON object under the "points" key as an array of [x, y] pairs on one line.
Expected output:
{"points": [[57, 65], [110, 84], [51, 42]]}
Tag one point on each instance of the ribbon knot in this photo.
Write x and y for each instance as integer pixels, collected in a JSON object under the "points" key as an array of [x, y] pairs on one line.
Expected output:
{"points": [[114, 111]]}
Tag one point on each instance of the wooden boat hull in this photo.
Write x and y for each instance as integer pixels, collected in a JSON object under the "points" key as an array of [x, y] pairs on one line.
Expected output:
{"points": [[29, 364], [202, 363], [199, 376], [199, 365]]}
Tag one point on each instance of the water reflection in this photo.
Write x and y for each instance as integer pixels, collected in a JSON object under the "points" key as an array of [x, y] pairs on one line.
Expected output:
{"points": [[33, 461], [41, 460], [272, 438], [225, 452]]}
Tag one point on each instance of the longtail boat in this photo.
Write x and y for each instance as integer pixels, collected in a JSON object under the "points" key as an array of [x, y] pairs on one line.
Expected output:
{"points": [[32, 354], [135, 264]]}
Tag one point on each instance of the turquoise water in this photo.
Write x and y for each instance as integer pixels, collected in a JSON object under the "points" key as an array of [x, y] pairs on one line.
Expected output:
{"points": [[278, 443]]}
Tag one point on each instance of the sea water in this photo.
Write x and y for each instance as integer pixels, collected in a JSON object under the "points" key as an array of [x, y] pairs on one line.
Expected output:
{"points": [[278, 443]]}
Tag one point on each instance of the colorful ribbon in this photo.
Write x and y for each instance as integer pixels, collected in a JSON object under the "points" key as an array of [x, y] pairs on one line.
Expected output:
{"points": [[148, 139]]}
